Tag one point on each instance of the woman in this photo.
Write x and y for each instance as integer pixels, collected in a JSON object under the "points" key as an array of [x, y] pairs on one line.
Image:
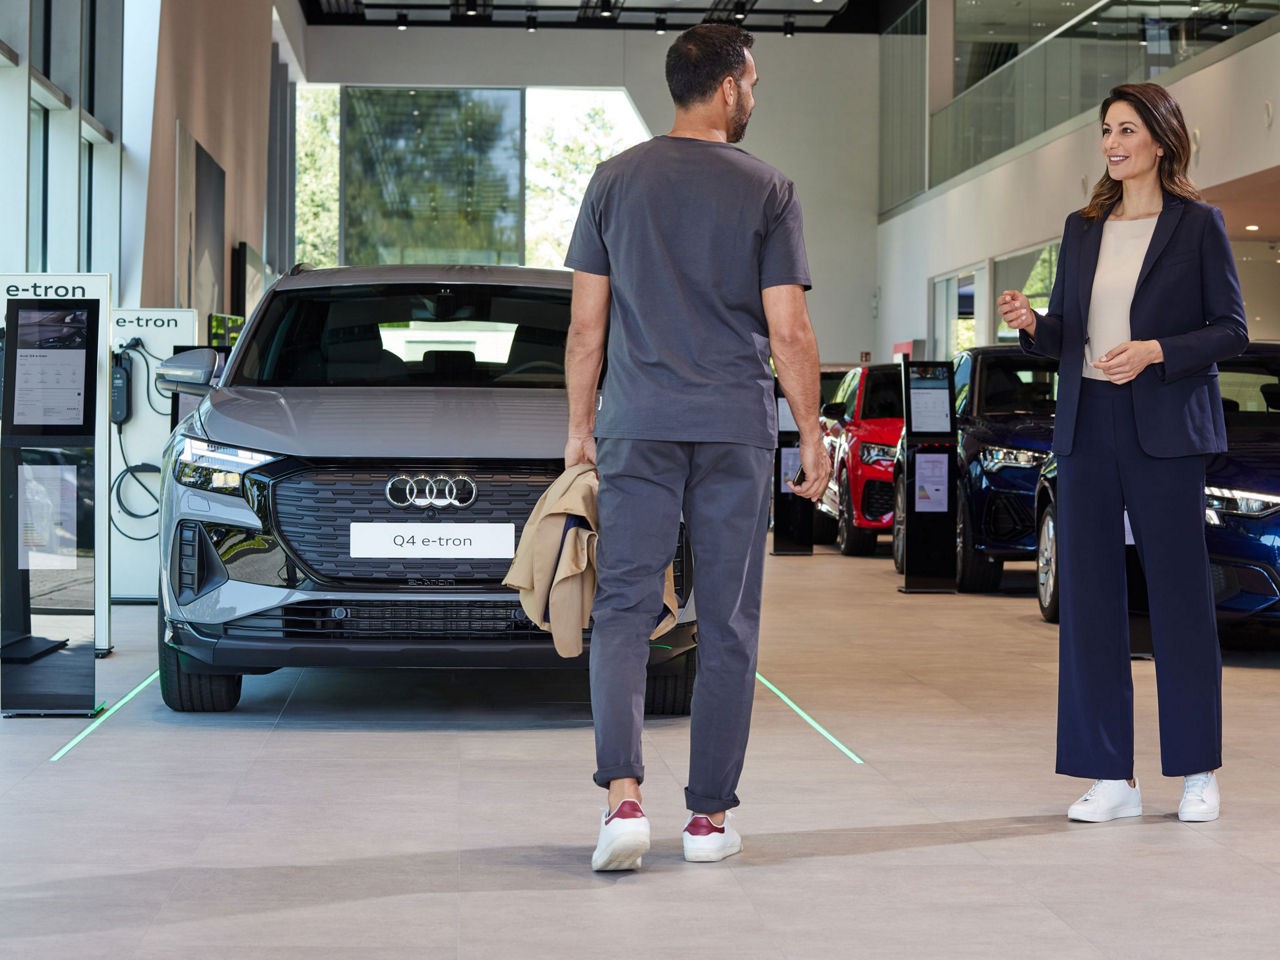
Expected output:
{"points": [[1145, 303]]}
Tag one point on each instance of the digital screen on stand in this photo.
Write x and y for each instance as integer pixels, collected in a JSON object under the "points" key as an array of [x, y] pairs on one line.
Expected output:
{"points": [[49, 380]]}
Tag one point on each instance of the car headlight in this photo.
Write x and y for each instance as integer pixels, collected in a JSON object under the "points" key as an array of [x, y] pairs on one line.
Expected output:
{"points": [[876, 452], [997, 458], [214, 466], [1219, 500]]}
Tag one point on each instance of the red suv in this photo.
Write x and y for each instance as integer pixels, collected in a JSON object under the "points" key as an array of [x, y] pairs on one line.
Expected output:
{"points": [[862, 425]]}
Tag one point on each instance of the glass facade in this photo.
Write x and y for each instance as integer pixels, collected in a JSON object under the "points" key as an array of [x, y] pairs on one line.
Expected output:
{"points": [[904, 108], [37, 187], [432, 176], [1071, 71]]}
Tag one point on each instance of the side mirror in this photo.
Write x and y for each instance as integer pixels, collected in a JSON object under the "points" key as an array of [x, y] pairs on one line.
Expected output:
{"points": [[833, 411], [189, 372]]}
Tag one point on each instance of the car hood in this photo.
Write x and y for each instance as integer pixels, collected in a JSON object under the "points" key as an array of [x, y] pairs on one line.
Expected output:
{"points": [[886, 430], [1018, 432], [1251, 463], [390, 422]]}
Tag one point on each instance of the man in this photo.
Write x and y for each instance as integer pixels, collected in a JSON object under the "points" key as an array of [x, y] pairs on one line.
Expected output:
{"points": [[690, 252]]}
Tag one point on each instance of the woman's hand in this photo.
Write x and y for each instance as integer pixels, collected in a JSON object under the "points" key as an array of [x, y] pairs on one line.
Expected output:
{"points": [[1016, 312], [1121, 364]]}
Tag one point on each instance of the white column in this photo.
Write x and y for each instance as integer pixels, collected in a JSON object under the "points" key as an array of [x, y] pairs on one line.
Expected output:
{"points": [[15, 105]]}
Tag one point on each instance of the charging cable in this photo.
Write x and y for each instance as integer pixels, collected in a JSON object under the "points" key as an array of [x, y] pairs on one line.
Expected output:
{"points": [[136, 473]]}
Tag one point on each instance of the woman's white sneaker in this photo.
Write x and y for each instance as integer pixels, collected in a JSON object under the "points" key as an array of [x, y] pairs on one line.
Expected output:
{"points": [[704, 842], [624, 838], [1107, 800], [1200, 798]]}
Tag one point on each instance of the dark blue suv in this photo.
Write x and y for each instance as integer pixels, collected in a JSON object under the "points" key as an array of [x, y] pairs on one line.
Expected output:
{"points": [[1242, 500]]}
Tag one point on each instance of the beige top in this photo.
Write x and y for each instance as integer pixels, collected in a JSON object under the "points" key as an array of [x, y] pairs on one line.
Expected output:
{"points": [[1124, 245]]}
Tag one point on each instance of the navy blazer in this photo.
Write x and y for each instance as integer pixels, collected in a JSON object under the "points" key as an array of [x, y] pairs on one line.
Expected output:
{"points": [[1188, 298]]}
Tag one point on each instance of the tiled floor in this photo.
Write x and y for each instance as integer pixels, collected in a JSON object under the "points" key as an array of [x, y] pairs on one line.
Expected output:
{"points": [[368, 815]]}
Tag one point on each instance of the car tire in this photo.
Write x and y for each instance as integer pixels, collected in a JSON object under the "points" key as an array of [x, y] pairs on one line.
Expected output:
{"points": [[899, 525], [975, 573], [853, 541], [1047, 564], [192, 692], [669, 689]]}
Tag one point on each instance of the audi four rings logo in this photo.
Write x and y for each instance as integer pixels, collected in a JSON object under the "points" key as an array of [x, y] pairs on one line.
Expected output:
{"points": [[405, 492]]}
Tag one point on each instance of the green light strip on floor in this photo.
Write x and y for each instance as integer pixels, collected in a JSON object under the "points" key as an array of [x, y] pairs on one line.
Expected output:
{"points": [[810, 721], [105, 717]]}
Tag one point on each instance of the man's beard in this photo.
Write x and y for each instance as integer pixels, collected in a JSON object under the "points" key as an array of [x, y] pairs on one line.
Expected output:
{"points": [[738, 126]]}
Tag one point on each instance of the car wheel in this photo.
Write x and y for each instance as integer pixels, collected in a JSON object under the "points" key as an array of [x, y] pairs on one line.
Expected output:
{"points": [[854, 541], [192, 692], [1047, 564], [899, 525], [669, 689], [975, 573]]}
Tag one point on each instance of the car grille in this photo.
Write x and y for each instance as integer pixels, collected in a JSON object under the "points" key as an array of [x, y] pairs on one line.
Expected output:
{"points": [[877, 499], [313, 510], [1009, 517], [388, 621]]}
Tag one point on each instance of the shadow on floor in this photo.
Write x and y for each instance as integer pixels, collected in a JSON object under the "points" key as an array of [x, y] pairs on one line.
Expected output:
{"points": [[225, 891]]}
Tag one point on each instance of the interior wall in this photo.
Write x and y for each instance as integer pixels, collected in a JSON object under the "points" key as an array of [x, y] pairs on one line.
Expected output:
{"points": [[213, 72], [816, 119], [1026, 200], [1258, 263]]}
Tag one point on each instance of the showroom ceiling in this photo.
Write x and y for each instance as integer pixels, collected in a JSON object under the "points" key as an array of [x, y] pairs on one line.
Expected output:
{"points": [[761, 16]]}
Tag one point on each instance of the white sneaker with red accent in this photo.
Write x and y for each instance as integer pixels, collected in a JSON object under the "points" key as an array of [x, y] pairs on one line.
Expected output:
{"points": [[704, 842], [624, 838]]}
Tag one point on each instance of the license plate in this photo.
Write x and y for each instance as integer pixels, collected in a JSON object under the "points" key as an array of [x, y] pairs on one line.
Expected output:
{"points": [[433, 541]]}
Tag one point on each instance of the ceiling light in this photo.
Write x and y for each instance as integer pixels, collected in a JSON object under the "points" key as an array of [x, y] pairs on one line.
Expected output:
{"points": [[789, 27], [740, 10], [402, 20], [1252, 226], [660, 24], [531, 21], [472, 9], [606, 8]]}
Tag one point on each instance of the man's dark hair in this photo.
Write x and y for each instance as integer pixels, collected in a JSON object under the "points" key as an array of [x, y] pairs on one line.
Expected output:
{"points": [[702, 57]]}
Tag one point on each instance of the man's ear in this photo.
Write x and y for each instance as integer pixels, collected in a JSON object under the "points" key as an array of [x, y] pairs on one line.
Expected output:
{"points": [[729, 87]]}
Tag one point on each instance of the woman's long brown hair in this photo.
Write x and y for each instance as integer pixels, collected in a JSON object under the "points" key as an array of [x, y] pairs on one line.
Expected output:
{"points": [[1162, 117]]}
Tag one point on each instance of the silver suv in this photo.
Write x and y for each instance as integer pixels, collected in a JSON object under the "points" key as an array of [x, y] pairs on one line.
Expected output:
{"points": [[350, 490]]}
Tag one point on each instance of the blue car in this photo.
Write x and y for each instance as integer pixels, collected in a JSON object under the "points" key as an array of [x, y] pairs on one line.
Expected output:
{"points": [[1242, 501], [1005, 401]]}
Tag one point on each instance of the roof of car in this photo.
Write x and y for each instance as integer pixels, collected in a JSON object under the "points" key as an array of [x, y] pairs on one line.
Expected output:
{"points": [[426, 273]]}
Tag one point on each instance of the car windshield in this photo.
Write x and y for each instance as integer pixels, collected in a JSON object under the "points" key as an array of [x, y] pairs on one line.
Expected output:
{"points": [[882, 395], [1250, 388], [1017, 385], [423, 335]]}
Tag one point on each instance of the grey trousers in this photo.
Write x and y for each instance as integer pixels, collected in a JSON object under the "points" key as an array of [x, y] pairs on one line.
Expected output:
{"points": [[723, 491]]}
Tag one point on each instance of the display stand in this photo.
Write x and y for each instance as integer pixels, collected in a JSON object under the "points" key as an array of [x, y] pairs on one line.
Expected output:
{"points": [[54, 608], [929, 477], [792, 515]]}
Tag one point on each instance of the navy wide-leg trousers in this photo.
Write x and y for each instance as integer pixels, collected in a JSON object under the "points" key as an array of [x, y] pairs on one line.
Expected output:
{"points": [[722, 489], [1105, 473]]}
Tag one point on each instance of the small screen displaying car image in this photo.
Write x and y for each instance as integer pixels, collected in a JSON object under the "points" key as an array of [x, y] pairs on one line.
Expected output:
{"points": [[49, 378], [929, 387], [1018, 385]]}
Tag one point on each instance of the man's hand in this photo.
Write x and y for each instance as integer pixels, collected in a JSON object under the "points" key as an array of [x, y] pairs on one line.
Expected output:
{"points": [[1016, 312], [817, 470], [1121, 364], [579, 450]]}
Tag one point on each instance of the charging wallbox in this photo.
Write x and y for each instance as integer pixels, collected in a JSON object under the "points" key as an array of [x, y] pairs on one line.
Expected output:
{"points": [[121, 370]]}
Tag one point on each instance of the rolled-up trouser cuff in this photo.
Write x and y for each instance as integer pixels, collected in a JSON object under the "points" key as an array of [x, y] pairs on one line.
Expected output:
{"points": [[603, 776], [697, 804]]}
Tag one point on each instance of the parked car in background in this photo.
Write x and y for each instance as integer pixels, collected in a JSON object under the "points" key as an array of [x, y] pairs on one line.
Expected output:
{"points": [[1005, 401], [1242, 500], [861, 426]]}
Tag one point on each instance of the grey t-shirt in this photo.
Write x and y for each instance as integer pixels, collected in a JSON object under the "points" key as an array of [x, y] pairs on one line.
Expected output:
{"points": [[689, 232]]}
